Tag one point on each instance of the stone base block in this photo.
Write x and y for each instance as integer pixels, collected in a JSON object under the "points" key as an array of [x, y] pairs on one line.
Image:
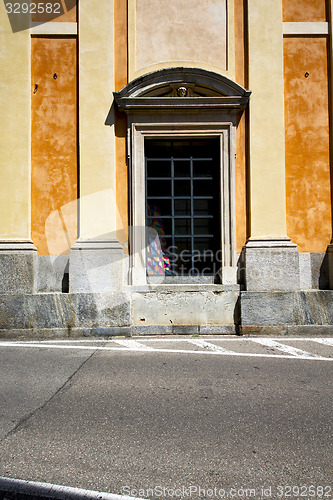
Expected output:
{"points": [[96, 266], [65, 312], [287, 330], [184, 308], [280, 312], [17, 267], [271, 265]]}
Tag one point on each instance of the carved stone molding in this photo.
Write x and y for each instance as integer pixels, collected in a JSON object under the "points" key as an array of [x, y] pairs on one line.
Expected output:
{"points": [[182, 88]]}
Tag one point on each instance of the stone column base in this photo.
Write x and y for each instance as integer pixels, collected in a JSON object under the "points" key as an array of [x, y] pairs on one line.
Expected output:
{"points": [[17, 266], [271, 264], [96, 266]]}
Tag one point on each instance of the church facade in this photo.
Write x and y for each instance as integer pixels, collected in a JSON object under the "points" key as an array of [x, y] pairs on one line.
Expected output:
{"points": [[166, 167]]}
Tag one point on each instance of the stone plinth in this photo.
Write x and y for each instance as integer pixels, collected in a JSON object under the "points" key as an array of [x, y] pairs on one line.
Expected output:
{"points": [[96, 266], [271, 264], [17, 266]]}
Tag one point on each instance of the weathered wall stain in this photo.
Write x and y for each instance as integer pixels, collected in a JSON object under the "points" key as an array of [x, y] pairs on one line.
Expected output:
{"points": [[53, 132], [309, 221]]}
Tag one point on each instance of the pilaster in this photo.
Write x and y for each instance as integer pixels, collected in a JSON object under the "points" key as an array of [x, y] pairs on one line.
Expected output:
{"points": [[17, 252], [95, 258], [271, 259]]}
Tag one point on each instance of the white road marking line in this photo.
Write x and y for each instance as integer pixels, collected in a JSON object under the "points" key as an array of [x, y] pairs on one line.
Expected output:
{"points": [[207, 345], [173, 351], [218, 338], [165, 338], [283, 347], [323, 341], [73, 340], [42, 490], [132, 344]]}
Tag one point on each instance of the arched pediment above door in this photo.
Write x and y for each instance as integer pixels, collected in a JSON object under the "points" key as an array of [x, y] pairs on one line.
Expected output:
{"points": [[182, 88]]}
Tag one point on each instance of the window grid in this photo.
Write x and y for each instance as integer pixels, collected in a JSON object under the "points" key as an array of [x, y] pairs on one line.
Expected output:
{"points": [[192, 217]]}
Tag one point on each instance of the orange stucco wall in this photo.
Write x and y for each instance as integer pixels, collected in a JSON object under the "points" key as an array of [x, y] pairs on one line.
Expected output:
{"points": [[53, 141], [309, 220], [304, 10], [121, 79], [240, 164]]}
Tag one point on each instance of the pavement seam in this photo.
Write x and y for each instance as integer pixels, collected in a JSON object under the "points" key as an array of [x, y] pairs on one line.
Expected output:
{"points": [[30, 415]]}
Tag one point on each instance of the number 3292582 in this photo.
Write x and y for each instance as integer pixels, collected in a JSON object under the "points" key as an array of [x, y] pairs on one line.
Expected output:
{"points": [[304, 491], [33, 8]]}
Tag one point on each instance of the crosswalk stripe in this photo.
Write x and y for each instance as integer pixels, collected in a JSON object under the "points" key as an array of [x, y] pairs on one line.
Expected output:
{"points": [[207, 349], [132, 344], [283, 347], [207, 345], [323, 341]]}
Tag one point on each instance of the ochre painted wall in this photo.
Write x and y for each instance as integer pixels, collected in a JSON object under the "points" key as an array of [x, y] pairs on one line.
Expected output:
{"points": [[240, 164], [304, 10], [14, 132], [53, 137], [309, 220]]}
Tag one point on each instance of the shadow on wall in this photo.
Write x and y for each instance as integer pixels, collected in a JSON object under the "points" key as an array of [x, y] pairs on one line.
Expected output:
{"points": [[323, 281], [237, 315]]}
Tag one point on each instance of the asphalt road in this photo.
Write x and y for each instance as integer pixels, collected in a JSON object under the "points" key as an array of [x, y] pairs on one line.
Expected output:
{"points": [[167, 425]]}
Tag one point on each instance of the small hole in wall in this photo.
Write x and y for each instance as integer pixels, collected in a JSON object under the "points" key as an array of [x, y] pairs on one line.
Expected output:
{"points": [[307, 74], [142, 319]]}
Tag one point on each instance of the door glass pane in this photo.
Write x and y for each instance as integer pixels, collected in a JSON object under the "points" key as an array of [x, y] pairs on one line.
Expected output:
{"points": [[183, 205], [202, 188], [181, 149], [203, 168], [182, 188], [158, 168], [205, 148], [159, 188], [158, 149], [203, 244], [163, 225], [182, 168], [203, 207], [183, 226], [157, 207], [183, 244], [203, 226]]}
